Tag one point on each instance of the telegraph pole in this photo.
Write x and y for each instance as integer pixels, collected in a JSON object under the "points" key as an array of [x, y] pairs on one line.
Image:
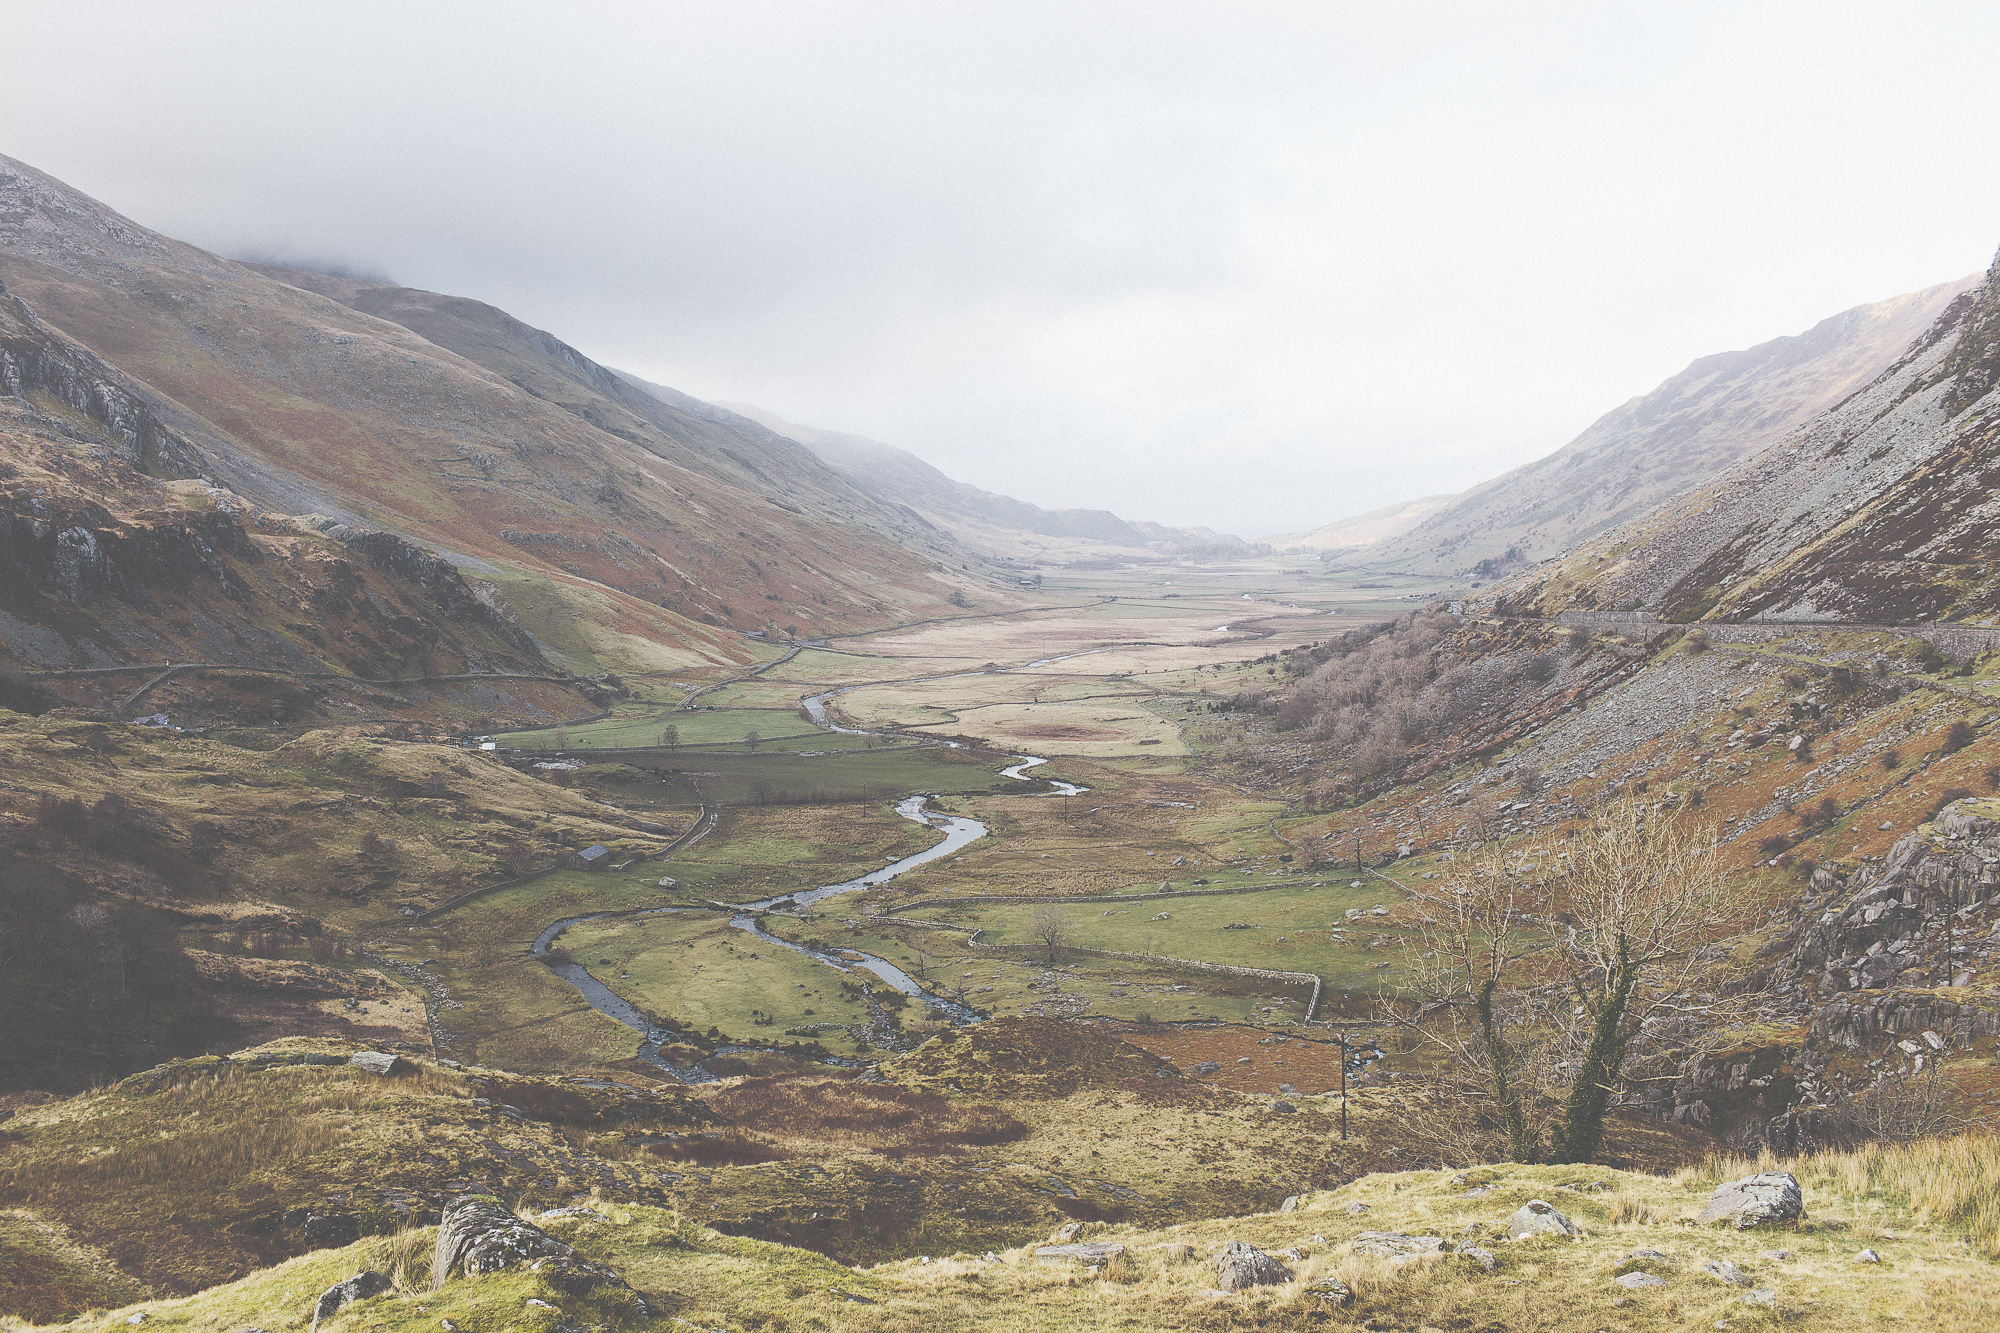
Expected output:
{"points": [[1343, 1087]]}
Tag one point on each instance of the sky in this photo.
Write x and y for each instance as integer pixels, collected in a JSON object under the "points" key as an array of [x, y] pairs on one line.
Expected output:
{"points": [[1253, 266]]}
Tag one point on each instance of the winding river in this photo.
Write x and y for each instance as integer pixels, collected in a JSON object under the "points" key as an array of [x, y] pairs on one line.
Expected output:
{"points": [[958, 830]]}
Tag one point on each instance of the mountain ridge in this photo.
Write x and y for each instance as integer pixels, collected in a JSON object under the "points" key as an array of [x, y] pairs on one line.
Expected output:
{"points": [[1719, 409]]}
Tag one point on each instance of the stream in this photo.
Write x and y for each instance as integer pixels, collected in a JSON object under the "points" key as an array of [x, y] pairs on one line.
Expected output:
{"points": [[958, 830]]}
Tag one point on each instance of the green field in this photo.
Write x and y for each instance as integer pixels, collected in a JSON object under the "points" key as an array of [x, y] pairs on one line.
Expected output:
{"points": [[736, 777], [1002, 984], [637, 726], [1288, 929], [702, 972]]}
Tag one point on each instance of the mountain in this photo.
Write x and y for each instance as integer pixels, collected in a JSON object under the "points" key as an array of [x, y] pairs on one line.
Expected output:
{"points": [[1720, 409], [1880, 509], [1359, 530], [619, 531], [898, 477]]}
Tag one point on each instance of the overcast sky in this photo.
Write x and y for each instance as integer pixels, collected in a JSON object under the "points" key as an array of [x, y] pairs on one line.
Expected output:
{"points": [[1254, 266]]}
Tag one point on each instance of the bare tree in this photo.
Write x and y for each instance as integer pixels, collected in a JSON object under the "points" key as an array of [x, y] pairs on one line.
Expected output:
{"points": [[670, 737], [1535, 968], [1052, 928], [1642, 893], [1462, 994]]}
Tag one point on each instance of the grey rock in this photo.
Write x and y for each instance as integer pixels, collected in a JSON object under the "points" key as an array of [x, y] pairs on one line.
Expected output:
{"points": [[1332, 1291], [1207, 1067], [1068, 1231], [1724, 1271], [338, 1297], [1283, 1108], [1399, 1247], [1355, 1209], [1775, 1256], [1868, 1257], [1652, 1254], [1242, 1265], [1767, 1197], [378, 1062], [331, 1231], [1538, 1217], [573, 1212], [1637, 1281], [1291, 1202], [479, 1235], [1481, 1256], [1761, 1296], [1089, 1251]]}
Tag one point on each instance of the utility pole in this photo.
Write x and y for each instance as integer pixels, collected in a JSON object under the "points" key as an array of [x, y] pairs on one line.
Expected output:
{"points": [[1343, 1087], [1357, 853]]}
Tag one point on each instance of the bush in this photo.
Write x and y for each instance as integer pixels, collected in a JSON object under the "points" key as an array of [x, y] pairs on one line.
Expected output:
{"points": [[1958, 735], [1891, 758]]}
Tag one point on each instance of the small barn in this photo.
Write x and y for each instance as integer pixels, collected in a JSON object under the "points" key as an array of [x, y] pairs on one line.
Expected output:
{"points": [[594, 857]]}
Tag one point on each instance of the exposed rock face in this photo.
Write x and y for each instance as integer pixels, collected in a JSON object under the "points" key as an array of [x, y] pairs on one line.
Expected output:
{"points": [[479, 1235], [1765, 1198], [1399, 1247], [1891, 921], [1243, 1265], [1538, 1217], [341, 1295]]}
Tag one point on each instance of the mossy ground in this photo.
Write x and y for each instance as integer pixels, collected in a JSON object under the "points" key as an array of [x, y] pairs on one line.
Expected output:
{"points": [[1928, 1278]]}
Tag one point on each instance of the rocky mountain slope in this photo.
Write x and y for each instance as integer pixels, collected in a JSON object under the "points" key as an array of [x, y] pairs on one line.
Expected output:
{"points": [[1722, 408], [626, 533], [1880, 509], [899, 477]]}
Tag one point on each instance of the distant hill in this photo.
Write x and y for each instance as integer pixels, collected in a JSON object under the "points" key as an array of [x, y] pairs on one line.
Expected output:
{"points": [[1722, 408], [1363, 530], [627, 531], [897, 476]]}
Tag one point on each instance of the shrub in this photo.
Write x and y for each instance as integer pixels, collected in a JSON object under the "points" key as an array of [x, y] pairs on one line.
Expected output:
{"points": [[1890, 758], [1958, 735]]}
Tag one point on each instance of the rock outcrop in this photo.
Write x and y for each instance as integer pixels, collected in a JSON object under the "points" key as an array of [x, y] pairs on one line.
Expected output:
{"points": [[479, 1235]]}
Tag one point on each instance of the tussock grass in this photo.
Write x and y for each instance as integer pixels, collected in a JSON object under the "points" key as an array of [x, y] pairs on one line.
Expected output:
{"points": [[1952, 1183]]}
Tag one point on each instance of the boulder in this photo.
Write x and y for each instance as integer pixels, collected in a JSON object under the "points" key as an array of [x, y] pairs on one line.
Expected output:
{"points": [[338, 1297], [1537, 1217], [1868, 1257], [1636, 1281], [1399, 1247], [1332, 1291], [479, 1235], [1089, 1251], [324, 1233], [1761, 1296], [1355, 1209], [1065, 1233], [1724, 1271], [1242, 1265], [378, 1062], [1767, 1197], [1483, 1257]]}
